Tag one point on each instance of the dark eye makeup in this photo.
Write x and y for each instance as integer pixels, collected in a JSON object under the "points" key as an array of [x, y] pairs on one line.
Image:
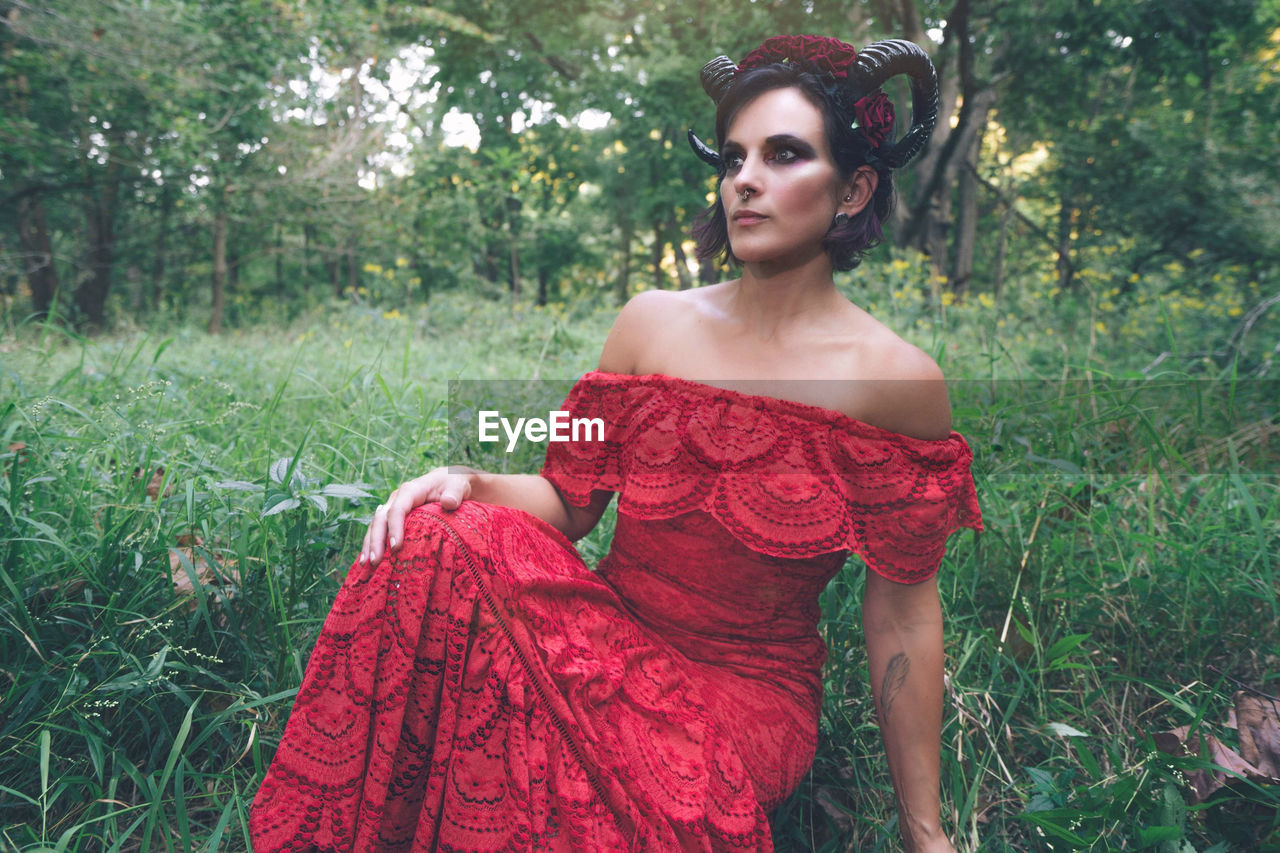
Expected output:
{"points": [[782, 148]]}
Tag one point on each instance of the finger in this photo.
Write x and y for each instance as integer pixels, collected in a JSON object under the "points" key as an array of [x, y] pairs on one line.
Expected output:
{"points": [[377, 533], [454, 492], [395, 520]]}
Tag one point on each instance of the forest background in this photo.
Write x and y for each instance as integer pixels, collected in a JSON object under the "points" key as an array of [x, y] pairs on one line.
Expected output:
{"points": [[243, 246]]}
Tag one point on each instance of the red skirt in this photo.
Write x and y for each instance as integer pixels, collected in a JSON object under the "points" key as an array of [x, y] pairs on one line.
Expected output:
{"points": [[483, 690]]}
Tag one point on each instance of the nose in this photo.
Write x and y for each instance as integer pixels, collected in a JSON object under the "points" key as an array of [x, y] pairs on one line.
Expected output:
{"points": [[746, 178]]}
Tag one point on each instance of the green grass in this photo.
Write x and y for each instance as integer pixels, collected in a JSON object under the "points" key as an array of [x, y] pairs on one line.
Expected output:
{"points": [[1126, 581]]}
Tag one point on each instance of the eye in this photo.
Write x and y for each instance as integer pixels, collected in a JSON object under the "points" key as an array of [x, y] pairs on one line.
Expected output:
{"points": [[732, 161], [785, 155]]}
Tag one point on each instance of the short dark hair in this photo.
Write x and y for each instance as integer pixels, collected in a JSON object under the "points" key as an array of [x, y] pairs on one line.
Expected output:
{"points": [[845, 244]]}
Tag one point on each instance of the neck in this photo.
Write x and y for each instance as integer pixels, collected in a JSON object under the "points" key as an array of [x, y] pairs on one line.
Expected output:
{"points": [[768, 299]]}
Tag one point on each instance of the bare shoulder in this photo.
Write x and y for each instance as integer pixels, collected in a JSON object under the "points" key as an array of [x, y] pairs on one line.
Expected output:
{"points": [[908, 393], [648, 318]]}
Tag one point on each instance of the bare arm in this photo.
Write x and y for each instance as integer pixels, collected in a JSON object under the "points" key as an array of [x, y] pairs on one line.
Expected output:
{"points": [[903, 628], [530, 492], [449, 487]]}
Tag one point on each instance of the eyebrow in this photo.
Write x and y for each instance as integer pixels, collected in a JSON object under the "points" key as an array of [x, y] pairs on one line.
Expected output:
{"points": [[778, 139]]}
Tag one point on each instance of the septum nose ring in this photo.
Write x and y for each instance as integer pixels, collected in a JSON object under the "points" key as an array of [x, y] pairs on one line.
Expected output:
{"points": [[745, 194]]}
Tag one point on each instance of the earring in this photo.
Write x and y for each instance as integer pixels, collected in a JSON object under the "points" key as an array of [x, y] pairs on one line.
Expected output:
{"points": [[848, 199], [841, 219]]}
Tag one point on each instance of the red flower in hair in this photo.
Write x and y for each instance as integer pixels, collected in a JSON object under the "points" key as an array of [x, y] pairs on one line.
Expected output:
{"points": [[832, 58], [825, 55], [874, 114]]}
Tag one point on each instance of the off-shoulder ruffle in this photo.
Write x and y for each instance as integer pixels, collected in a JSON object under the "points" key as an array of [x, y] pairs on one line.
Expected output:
{"points": [[785, 478]]}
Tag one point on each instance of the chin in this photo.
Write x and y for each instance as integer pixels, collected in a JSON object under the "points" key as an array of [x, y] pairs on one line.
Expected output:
{"points": [[778, 257]]}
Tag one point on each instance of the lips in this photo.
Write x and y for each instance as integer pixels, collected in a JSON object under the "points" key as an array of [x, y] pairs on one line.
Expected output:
{"points": [[747, 216]]}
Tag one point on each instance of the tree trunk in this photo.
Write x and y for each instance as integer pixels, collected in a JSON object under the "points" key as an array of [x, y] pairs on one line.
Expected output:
{"points": [[708, 271], [927, 224], [423, 269], [8, 280], [91, 295], [486, 261], [353, 274], [512, 214], [627, 229], [219, 262], [966, 230], [418, 263], [137, 299], [1002, 251], [915, 222], [513, 266], [1066, 223], [308, 238], [912, 29], [655, 255], [233, 265], [682, 261], [280, 261], [100, 212], [332, 264], [37, 254], [161, 259]]}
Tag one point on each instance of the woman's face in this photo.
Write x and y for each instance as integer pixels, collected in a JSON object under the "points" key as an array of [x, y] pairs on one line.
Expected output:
{"points": [[781, 188]]}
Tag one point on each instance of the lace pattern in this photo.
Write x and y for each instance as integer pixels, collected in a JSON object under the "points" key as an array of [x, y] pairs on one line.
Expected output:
{"points": [[787, 479]]}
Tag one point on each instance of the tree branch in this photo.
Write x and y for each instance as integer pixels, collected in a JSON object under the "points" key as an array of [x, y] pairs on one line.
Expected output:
{"points": [[559, 65], [35, 189], [1039, 230]]}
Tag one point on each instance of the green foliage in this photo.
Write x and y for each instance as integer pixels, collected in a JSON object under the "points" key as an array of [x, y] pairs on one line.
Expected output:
{"points": [[1128, 560], [149, 712], [1129, 142], [1154, 116]]}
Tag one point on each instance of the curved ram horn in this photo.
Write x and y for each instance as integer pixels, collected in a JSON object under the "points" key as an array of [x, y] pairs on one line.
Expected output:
{"points": [[717, 76], [706, 154], [875, 64]]}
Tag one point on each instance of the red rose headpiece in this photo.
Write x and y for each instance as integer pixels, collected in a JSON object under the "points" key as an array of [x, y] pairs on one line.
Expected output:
{"points": [[856, 78], [825, 55]]}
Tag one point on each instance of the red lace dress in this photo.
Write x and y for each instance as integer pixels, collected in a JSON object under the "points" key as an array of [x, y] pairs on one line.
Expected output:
{"points": [[484, 690]]}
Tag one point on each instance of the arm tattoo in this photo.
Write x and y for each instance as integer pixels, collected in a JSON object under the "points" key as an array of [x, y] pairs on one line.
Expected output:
{"points": [[895, 675]]}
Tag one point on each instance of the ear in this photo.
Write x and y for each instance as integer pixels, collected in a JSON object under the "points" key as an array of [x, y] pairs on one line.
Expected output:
{"points": [[858, 191]]}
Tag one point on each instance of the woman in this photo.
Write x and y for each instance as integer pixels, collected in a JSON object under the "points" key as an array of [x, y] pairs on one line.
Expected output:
{"points": [[477, 687]]}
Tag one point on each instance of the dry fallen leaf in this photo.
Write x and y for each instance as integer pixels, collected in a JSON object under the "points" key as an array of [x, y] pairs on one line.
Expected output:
{"points": [[828, 798], [20, 453], [154, 482], [1258, 721], [184, 584], [61, 591]]}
